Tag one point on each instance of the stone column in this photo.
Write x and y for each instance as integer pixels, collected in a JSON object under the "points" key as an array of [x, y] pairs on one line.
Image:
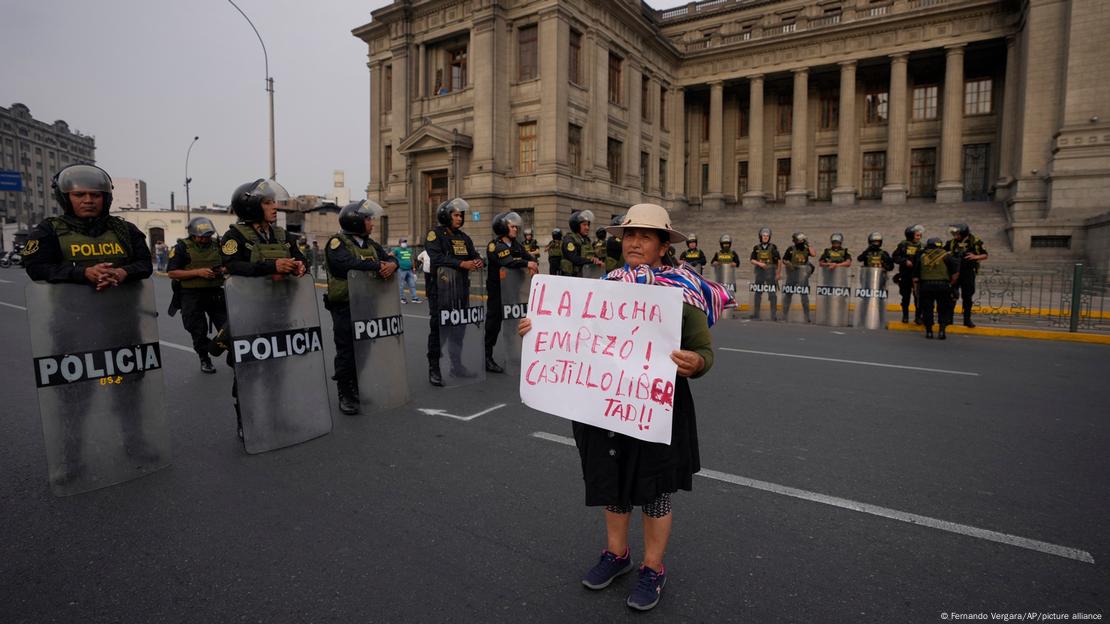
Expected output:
{"points": [[1009, 123], [377, 169], [632, 137], [399, 114], [678, 143], [714, 199], [847, 151], [799, 144], [950, 188], [895, 190], [422, 72], [554, 33], [599, 110], [755, 198], [487, 73]]}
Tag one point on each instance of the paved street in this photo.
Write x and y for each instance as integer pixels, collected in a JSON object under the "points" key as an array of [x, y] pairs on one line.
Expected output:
{"points": [[850, 477]]}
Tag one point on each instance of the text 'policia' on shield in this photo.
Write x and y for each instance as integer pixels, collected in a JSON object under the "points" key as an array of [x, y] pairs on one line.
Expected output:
{"points": [[273, 345], [66, 368]]}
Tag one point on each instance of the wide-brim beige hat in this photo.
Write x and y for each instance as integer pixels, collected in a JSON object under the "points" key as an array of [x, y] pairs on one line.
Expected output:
{"points": [[648, 217]]}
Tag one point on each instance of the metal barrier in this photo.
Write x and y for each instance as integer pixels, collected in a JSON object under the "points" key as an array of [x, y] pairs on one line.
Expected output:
{"points": [[1069, 296]]}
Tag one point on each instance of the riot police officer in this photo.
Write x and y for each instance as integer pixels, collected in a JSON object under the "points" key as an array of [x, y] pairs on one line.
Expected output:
{"points": [[936, 273], [577, 250], [726, 255], [197, 272], [614, 253], [969, 249], [256, 247], [351, 249], [694, 256], [836, 255], [451, 249], [555, 251], [798, 268], [766, 260], [904, 257], [875, 256], [530, 245], [601, 249], [504, 252]]}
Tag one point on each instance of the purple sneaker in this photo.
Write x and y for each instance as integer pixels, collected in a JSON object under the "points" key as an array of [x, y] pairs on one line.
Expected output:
{"points": [[648, 590], [608, 568]]}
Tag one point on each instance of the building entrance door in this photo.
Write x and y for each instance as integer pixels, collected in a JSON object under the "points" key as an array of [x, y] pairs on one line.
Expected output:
{"points": [[976, 164]]}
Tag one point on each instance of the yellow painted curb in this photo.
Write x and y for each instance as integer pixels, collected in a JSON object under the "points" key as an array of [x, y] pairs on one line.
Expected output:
{"points": [[1010, 332]]}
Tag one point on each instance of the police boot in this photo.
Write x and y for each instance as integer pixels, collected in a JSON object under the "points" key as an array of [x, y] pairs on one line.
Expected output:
{"points": [[348, 404], [906, 314], [967, 319], [492, 366], [929, 332], [434, 376], [941, 335], [206, 365]]}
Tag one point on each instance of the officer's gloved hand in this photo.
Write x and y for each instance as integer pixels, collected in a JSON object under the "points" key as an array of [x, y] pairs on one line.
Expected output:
{"points": [[955, 292]]}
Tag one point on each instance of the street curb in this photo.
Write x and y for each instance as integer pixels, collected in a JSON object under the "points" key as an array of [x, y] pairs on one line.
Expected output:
{"points": [[1010, 332]]}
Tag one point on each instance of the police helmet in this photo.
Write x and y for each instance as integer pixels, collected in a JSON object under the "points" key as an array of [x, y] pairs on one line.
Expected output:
{"points": [[914, 229], [617, 220], [837, 238], [352, 218], [725, 240], [557, 234], [798, 237], [962, 229], [246, 201], [450, 207], [767, 231], [952, 229], [692, 238], [579, 217], [201, 226], [528, 232], [874, 237], [503, 220], [81, 177], [601, 233], [935, 242]]}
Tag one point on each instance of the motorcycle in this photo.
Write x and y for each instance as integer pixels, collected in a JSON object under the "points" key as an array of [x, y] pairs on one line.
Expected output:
{"points": [[11, 258]]}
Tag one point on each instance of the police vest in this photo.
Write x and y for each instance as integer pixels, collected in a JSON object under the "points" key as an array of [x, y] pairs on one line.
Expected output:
{"points": [[264, 251], [337, 286], [201, 257], [86, 251], [555, 249], [910, 249], [873, 259], [933, 268], [531, 246], [836, 255], [797, 257], [691, 255], [725, 257], [970, 244], [764, 255], [585, 250]]}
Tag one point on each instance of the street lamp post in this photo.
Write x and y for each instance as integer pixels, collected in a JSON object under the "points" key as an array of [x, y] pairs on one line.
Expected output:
{"points": [[269, 88], [188, 206]]}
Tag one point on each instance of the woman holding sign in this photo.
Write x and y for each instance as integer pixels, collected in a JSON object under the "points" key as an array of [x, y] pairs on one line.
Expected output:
{"points": [[621, 471]]}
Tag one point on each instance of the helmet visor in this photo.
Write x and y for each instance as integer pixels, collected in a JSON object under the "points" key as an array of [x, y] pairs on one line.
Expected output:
{"points": [[370, 210], [270, 190], [514, 219], [84, 178], [586, 215], [458, 205]]}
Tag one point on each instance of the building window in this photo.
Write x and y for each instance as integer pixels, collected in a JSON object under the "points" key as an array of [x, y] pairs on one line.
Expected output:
{"points": [[976, 166], [574, 149], [526, 43], [575, 54], [662, 108], [742, 121], [615, 84], [826, 176], [876, 107], [645, 99], [387, 88], [923, 172], [977, 97], [829, 116], [785, 114], [925, 103], [874, 175], [742, 178], [613, 160], [645, 158], [1050, 242], [662, 176], [527, 136], [705, 122], [435, 190], [387, 162], [704, 179], [458, 69], [782, 178]]}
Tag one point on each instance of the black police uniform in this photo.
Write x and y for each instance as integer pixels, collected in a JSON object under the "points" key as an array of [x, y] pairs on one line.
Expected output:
{"points": [[876, 258], [835, 256], [934, 268], [767, 253], [969, 269], [614, 253], [695, 257], [577, 253], [907, 250], [448, 249], [201, 300], [499, 255], [797, 257], [727, 256], [532, 247], [555, 256], [348, 252]]}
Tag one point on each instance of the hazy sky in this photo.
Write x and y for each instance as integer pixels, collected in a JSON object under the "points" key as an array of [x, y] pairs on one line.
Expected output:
{"points": [[146, 76]]}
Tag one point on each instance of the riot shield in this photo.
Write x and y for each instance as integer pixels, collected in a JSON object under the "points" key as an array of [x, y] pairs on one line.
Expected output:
{"points": [[795, 293], [593, 271], [379, 340], [277, 349], [725, 275], [460, 321], [871, 298], [764, 285], [515, 286], [832, 297], [98, 368]]}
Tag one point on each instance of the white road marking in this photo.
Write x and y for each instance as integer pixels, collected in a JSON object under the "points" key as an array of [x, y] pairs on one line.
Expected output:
{"points": [[4, 281], [839, 333], [875, 510], [859, 362], [174, 345], [439, 412], [419, 316], [12, 305]]}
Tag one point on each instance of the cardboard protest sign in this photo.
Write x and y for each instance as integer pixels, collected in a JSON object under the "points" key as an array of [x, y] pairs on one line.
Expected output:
{"points": [[600, 353]]}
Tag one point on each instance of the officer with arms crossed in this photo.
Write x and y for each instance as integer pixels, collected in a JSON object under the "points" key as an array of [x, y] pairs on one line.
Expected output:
{"points": [[694, 256], [450, 248], [797, 262], [905, 255], [504, 252], [197, 270], [969, 249], [875, 257], [530, 245], [351, 249], [936, 274], [577, 250], [766, 260], [726, 255], [836, 255]]}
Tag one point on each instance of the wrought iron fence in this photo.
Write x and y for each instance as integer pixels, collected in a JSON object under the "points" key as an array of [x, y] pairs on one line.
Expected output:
{"points": [[1043, 297]]}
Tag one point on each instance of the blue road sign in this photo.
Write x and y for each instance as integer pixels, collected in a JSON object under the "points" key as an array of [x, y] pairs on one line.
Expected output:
{"points": [[11, 181], [475, 215]]}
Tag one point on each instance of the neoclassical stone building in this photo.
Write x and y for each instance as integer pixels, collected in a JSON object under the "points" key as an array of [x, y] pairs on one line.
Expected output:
{"points": [[731, 106]]}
